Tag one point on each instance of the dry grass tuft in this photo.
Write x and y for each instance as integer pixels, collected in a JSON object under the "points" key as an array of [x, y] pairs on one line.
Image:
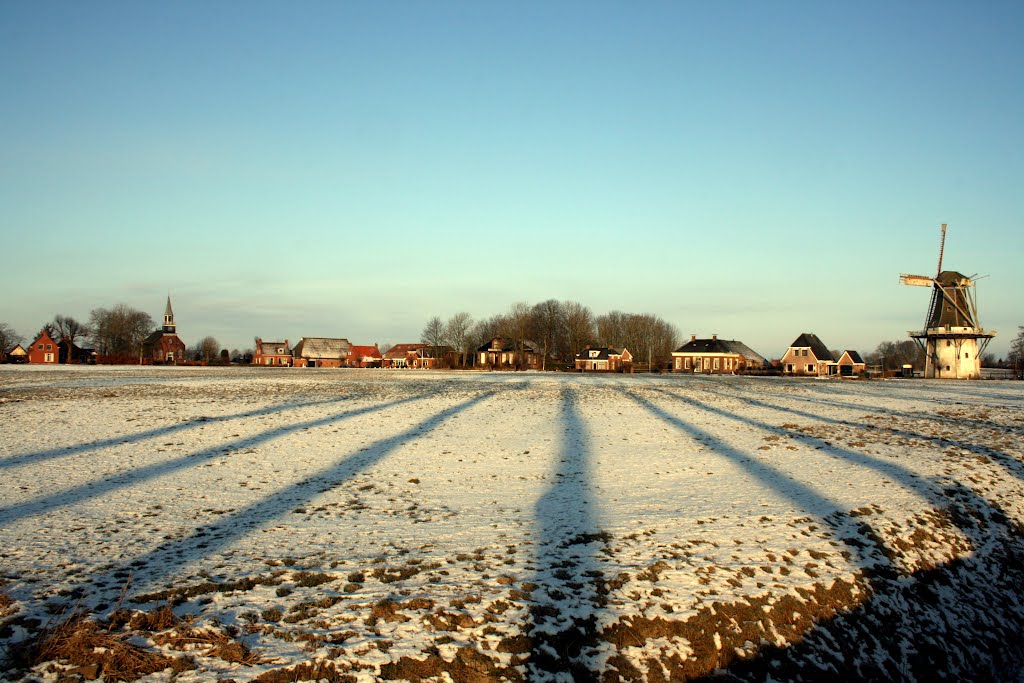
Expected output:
{"points": [[210, 643], [313, 671], [84, 643]]}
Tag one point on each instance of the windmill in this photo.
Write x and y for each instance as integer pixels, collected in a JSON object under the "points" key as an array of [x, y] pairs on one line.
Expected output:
{"points": [[952, 339]]}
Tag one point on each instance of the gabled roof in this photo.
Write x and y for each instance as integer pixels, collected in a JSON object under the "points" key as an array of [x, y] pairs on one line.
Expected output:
{"points": [[403, 350], [43, 334], [506, 344], [809, 340], [603, 353], [269, 348], [854, 356], [726, 346], [322, 347], [18, 350], [365, 351]]}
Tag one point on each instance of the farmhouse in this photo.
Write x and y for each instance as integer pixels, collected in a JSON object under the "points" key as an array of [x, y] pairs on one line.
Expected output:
{"points": [[164, 346], [503, 352], [17, 355], [716, 357], [321, 352], [272, 353], [603, 359], [809, 356], [364, 357], [43, 350], [421, 356]]}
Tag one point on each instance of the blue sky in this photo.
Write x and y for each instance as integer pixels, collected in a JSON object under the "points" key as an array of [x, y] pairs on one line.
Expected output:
{"points": [[754, 170]]}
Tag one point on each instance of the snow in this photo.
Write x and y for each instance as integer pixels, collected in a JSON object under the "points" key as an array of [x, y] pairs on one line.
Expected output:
{"points": [[486, 506]]}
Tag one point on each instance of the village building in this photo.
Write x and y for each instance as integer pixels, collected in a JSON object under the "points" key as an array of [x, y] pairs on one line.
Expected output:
{"points": [[277, 354], [321, 352], [850, 364], [716, 356], [365, 357], [419, 356], [603, 359], [17, 355], [78, 354], [808, 356], [163, 346], [44, 350], [502, 352]]}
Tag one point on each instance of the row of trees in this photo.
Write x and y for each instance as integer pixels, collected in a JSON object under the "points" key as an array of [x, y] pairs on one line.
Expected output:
{"points": [[115, 333], [560, 329]]}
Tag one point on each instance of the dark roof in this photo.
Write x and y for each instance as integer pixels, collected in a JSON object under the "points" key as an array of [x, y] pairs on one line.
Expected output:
{"points": [[603, 353], [269, 348], [722, 346], [506, 344], [809, 340], [954, 309], [854, 356]]}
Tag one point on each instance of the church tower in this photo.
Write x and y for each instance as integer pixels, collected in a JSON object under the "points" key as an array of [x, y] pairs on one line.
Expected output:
{"points": [[169, 326]]}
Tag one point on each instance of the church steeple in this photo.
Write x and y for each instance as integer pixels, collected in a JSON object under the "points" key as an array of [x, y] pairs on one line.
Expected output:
{"points": [[169, 326]]}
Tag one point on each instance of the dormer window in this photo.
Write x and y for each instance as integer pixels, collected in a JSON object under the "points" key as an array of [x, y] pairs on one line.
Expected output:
{"points": [[595, 354]]}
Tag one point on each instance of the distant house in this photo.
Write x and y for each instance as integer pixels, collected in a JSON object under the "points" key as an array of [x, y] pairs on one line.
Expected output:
{"points": [[321, 352], [17, 355], [716, 356], [43, 350], [78, 355], [850, 363], [502, 352], [420, 356], [809, 356], [278, 354], [164, 346], [365, 357], [603, 359]]}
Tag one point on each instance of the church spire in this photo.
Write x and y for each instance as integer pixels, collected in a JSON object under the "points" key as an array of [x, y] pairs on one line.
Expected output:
{"points": [[169, 325]]}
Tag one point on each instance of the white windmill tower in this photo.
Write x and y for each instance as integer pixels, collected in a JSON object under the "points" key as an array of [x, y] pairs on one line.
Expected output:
{"points": [[953, 339]]}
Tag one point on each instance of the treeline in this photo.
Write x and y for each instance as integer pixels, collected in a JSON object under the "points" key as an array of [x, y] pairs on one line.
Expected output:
{"points": [[558, 329]]}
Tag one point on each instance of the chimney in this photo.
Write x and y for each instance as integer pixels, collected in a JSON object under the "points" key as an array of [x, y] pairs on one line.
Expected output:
{"points": [[714, 337], [693, 337]]}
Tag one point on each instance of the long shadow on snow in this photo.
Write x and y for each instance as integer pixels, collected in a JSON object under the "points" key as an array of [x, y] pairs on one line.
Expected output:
{"points": [[45, 503], [1008, 462], [51, 453], [956, 621], [212, 537], [567, 601]]}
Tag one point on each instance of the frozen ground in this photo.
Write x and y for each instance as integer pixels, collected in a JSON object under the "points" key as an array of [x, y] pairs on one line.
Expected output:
{"points": [[367, 525]]}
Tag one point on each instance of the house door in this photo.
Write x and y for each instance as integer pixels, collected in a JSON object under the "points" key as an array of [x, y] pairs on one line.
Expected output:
{"points": [[697, 364]]}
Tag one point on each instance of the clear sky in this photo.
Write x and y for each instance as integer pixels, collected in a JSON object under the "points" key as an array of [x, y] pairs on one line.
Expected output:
{"points": [[754, 170]]}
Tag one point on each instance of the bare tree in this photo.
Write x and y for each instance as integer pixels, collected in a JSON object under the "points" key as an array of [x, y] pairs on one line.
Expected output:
{"points": [[8, 339], [547, 323], [579, 326], [206, 349], [119, 331], [1016, 355], [517, 328], [68, 330], [433, 336], [457, 334]]}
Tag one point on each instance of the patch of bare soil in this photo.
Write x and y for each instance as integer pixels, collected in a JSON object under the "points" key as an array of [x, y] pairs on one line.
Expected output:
{"points": [[468, 666]]}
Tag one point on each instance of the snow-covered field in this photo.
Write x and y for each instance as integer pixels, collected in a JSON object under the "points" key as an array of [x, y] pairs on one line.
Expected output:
{"points": [[366, 525]]}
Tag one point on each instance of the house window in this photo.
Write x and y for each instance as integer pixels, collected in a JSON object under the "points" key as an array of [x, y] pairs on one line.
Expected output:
{"points": [[789, 368], [49, 347], [687, 363], [810, 368], [716, 364], [49, 357]]}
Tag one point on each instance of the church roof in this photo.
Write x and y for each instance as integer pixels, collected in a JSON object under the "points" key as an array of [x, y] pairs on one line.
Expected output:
{"points": [[168, 311]]}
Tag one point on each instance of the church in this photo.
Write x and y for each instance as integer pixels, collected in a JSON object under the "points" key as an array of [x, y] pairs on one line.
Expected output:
{"points": [[164, 347]]}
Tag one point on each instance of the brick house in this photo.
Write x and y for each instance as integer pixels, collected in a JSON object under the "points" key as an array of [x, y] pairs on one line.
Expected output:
{"points": [[716, 356], [43, 350], [278, 354], [365, 357], [503, 352], [850, 364], [321, 352], [163, 346], [603, 359], [807, 355], [420, 356]]}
